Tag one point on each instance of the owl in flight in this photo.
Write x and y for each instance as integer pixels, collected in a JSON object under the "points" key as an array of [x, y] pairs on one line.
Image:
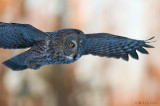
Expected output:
{"points": [[63, 46]]}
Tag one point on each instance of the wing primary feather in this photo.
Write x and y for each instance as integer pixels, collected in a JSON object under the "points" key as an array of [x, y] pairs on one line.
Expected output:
{"points": [[142, 50], [134, 54], [150, 38], [148, 46], [124, 57]]}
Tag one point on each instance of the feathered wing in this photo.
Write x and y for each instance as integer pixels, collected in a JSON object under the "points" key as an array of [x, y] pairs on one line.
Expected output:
{"points": [[19, 62], [28, 59], [108, 45], [14, 36]]}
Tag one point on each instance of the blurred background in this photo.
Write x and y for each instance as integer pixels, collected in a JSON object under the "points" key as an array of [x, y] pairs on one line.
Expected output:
{"points": [[90, 81]]}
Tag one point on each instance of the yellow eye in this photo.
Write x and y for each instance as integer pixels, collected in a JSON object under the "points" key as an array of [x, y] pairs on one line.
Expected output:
{"points": [[71, 44]]}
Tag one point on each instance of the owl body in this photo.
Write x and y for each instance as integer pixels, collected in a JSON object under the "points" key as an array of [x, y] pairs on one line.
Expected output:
{"points": [[52, 50], [63, 46]]}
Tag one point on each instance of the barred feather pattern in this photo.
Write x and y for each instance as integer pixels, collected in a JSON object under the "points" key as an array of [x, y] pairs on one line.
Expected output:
{"points": [[108, 45], [13, 36]]}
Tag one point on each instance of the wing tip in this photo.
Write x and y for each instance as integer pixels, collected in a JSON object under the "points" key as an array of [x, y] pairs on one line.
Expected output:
{"points": [[145, 45], [15, 67], [150, 40]]}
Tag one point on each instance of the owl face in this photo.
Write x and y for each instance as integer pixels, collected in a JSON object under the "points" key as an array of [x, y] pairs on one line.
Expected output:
{"points": [[73, 44]]}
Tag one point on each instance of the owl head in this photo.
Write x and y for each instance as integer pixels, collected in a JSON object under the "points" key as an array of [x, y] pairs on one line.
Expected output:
{"points": [[74, 44]]}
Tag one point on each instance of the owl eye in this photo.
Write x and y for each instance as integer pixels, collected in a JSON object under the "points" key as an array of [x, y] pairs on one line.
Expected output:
{"points": [[72, 44]]}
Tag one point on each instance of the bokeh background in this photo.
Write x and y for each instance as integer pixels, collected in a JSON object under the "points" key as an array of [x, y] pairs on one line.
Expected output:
{"points": [[91, 81]]}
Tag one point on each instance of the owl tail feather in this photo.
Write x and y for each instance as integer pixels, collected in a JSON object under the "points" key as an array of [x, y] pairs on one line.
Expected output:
{"points": [[18, 62]]}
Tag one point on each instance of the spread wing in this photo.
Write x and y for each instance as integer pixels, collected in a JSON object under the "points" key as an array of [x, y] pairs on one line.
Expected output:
{"points": [[13, 35], [108, 45]]}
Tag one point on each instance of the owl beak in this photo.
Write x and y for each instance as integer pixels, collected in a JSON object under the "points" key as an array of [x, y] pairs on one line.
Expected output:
{"points": [[76, 55], [76, 52]]}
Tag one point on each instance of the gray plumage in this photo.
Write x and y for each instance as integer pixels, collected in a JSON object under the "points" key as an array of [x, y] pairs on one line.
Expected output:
{"points": [[63, 46]]}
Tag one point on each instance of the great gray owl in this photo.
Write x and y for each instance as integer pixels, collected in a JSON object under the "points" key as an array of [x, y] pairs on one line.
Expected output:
{"points": [[63, 46]]}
